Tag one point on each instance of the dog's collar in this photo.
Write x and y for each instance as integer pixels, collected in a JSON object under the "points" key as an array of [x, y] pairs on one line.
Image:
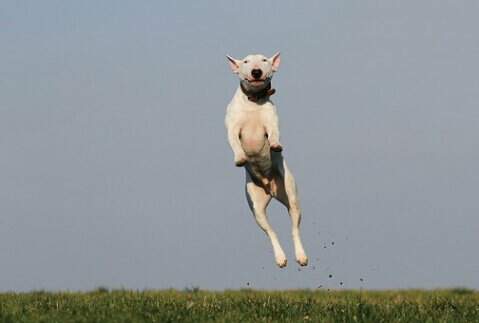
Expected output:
{"points": [[259, 95]]}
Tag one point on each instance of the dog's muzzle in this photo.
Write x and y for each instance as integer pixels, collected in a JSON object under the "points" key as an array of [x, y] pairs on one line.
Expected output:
{"points": [[256, 73]]}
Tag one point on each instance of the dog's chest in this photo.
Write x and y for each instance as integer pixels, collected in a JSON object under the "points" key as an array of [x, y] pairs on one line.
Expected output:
{"points": [[254, 117], [253, 125], [252, 120], [254, 141]]}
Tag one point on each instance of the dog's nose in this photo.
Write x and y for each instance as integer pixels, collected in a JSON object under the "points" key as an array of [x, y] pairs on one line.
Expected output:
{"points": [[256, 73]]}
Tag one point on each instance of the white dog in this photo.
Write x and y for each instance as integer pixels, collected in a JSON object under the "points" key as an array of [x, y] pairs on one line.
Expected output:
{"points": [[253, 134]]}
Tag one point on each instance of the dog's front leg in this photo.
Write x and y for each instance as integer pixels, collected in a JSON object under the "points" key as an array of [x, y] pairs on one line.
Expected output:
{"points": [[235, 143], [272, 130]]}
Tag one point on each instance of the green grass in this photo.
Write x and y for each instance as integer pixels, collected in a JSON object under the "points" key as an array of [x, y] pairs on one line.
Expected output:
{"points": [[457, 305]]}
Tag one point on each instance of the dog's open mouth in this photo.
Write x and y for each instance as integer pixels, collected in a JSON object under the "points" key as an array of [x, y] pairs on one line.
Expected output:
{"points": [[256, 82]]}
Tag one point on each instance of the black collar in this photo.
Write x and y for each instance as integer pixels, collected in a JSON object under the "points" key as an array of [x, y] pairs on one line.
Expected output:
{"points": [[259, 95]]}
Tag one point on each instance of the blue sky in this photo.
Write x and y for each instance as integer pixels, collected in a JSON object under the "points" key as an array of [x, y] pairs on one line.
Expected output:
{"points": [[115, 168]]}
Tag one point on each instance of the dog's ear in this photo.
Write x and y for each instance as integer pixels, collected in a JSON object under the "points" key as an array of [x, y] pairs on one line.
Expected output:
{"points": [[234, 64], [275, 60]]}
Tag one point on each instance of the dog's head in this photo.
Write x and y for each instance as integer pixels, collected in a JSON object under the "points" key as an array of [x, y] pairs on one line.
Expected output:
{"points": [[255, 71]]}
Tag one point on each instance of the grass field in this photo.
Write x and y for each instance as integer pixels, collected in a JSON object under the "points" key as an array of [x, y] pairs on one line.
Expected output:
{"points": [[457, 305]]}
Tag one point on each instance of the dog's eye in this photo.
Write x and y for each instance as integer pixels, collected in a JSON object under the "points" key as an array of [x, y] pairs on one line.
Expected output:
{"points": [[264, 60], [245, 61]]}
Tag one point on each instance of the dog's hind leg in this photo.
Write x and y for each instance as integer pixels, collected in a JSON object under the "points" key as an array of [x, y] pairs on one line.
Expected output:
{"points": [[258, 200], [286, 193]]}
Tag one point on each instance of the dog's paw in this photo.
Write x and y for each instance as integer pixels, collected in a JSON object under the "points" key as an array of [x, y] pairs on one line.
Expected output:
{"points": [[302, 260], [281, 261], [276, 147], [240, 161]]}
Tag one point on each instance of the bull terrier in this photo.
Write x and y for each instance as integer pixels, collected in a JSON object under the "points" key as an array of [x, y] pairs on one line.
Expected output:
{"points": [[253, 134]]}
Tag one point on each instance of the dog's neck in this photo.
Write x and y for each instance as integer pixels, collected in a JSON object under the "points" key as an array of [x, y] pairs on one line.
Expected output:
{"points": [[256, 96]]}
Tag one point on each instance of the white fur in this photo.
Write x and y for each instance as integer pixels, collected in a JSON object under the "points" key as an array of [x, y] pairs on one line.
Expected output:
{"points": [[253, 133]]}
